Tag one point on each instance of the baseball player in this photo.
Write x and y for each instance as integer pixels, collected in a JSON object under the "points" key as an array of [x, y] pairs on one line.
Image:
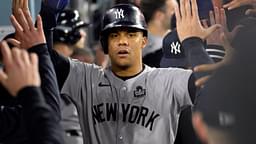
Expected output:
{"points": [[128, 102], [68, 36], [69, 33]]}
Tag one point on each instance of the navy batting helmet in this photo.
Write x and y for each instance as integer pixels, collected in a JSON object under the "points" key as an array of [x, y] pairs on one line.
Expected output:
{"points": [[122, 15], [68, 25]]}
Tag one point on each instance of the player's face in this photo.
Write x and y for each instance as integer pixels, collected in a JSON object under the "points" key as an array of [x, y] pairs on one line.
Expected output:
{"points": [[125, 47], [170, 5]]}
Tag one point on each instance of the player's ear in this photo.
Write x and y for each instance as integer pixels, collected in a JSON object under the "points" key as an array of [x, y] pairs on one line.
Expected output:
{"points": [[200, 127], [144, 41]]}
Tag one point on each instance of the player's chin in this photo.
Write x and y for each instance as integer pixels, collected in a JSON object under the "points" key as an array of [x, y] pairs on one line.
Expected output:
{"points": [[123, 65]]}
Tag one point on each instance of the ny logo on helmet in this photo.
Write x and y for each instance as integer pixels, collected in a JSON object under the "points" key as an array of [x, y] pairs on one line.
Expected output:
{"points": [[119, 13]]}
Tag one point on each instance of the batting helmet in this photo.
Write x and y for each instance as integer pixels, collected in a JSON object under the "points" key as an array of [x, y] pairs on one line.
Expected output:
{"points": [[122, 15], [68, 25]]}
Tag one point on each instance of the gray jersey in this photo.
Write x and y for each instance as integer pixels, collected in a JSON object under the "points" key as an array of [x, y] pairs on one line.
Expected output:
{"points": [[141, 110]]}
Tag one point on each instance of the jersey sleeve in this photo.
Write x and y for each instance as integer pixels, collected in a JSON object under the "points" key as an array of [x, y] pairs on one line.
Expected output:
{"points": [[73, 83], [176, 87], [79, 80], [180, 88]]}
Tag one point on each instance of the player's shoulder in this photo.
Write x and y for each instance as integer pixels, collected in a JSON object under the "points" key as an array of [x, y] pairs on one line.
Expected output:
{"points": [[166, 71], [165, 75], [80, 67]]}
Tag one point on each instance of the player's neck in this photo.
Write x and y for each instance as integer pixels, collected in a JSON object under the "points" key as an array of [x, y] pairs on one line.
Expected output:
{"points": [[127, 71]]}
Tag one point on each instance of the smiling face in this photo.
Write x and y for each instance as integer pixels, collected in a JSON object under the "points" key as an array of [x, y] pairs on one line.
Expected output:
{"points": [[125, 48]]}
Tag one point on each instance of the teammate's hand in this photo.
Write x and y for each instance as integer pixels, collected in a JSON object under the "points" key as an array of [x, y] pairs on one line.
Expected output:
{"points": [[29, 36], [188, 23], [218, 16], [237, 3], [205, 68], [213, 67], [20, 69], [16, 5], [251, 12]]}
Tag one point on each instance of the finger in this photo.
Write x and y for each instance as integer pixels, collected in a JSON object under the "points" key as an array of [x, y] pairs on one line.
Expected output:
{"points": [[212, 18], [205, 24], [25, 57], [16, 53], [177, 14], [39, 24], [29, 20], [3, 77], [13, 5], [14, 42], [205, 68], [22, 4], [232, 5], [23, 21], [19, 3], [201, 81], [236, 5], [188, 9], [182, 9], [227, 5], [195, 9], [250, 12], [18, 28], [217, 15], [217, 3], [223, 18], [16, 7], [6, 53], [25, 5]]}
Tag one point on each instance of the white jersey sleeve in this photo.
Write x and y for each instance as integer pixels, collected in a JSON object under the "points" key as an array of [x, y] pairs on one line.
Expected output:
{"points": [[80, 78], [173, 83]]}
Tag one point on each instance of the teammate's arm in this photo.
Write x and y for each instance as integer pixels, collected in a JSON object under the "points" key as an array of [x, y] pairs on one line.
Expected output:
{"points": [[49, 12], [21, 78], [192, 35], [32, 39]]}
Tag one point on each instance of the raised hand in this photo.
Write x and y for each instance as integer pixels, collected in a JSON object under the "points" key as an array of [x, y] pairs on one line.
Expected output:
{"points": [[218, 16], [16, 5], [188, 23], [237, 3], [29, 36], [213, 67], [20, 69]]}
